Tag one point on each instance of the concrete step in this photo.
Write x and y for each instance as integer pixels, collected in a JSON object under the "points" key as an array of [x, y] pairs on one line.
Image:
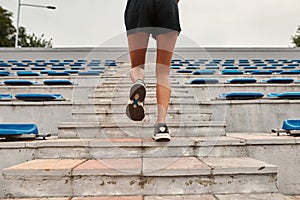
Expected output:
{"points": [[117, 106], [138, 129], [125, 94], [268, 196], [151, 116], [137, 176], [133, 148]]}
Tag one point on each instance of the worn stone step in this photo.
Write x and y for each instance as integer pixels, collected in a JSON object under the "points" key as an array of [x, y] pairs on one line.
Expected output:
{"points": [[117, 106], [133, 148], [151, 116], [138, 129], [268, 196], [137, 176], [125, 94]]}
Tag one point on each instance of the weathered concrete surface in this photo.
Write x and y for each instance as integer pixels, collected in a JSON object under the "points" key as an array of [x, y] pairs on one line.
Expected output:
{"points": [[165, 176]]}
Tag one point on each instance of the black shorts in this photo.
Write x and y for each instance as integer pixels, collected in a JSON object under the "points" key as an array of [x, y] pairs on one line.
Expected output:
{"points": [[152, 16]]}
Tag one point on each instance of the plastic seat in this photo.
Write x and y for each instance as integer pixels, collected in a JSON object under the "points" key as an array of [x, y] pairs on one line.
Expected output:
{"points": [[58, 82], [19, 82], [6, 96], [204, 72], [242, 80], [279, 80], [39, 97], [291, 124], [204, 81], [241, 95], [18, 68], [4, 73], [54, 73], [27, 73], [231, 72], [7, 130], [192, 67], [291, 72], [286, 95], [231, 67], [212, 67], [71, 71], [261, 72], [185, 71], [58, 68], [175, 67]]}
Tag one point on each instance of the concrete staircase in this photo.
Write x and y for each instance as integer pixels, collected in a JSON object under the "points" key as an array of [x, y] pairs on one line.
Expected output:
{"points": [[104, 155]]}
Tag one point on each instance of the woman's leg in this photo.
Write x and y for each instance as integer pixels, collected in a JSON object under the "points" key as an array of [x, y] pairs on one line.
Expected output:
{"points": [[165, 48], [138, 43]]}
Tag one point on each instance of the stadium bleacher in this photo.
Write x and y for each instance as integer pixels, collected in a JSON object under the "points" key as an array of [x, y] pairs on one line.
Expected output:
{"points": [[222, 113]]}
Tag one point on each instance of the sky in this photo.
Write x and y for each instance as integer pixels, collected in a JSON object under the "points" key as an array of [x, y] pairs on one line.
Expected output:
{"points": [[205, 23]]}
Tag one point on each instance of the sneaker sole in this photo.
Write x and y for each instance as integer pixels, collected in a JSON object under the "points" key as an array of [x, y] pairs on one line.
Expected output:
{"points": [[135, 114], [140, 90], [162, 137]]}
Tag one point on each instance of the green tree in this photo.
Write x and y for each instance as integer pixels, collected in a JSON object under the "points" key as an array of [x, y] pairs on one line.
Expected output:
{"points": [[296, 38], [8, 34], [7, 30]]}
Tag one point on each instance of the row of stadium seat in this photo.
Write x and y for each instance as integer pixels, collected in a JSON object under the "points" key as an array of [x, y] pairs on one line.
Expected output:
{"points": [[244, 81], [234, 67], [231, 61], [237, 72], [32, 97], [52, 73], [9, 131], [258, 95], [28, 82]]}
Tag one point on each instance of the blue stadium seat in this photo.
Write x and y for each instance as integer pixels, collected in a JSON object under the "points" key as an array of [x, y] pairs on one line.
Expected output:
{"points": [[204, 72], [290, 72], [231, 72], [261, 72], [72, 71], [58, 82], [241, 95], [279, 80], [8, 130], [40, 61], [231, 67], [5, 64], [286, 95], [242, 80], [39, 97], [38, 68], [212, 67], [6, 96], [18, 68], [58, 68], [250, 67], [19, 82], [185, 71], [293, 124], [175, 67], [270, 67], [205, 81], [4, 73], [288, 67], [54, 73], [27, 73]]}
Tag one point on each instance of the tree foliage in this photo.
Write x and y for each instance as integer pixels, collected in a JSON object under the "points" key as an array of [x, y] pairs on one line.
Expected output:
{"points": [[296, 38], [8, 34]]}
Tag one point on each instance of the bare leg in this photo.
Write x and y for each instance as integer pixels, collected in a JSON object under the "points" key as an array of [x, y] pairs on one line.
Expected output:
{"points": [[138, 43], [165, 48]]}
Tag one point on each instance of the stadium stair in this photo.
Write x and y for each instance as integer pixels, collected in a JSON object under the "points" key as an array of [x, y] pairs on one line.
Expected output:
{"points": [[102, 155]]}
